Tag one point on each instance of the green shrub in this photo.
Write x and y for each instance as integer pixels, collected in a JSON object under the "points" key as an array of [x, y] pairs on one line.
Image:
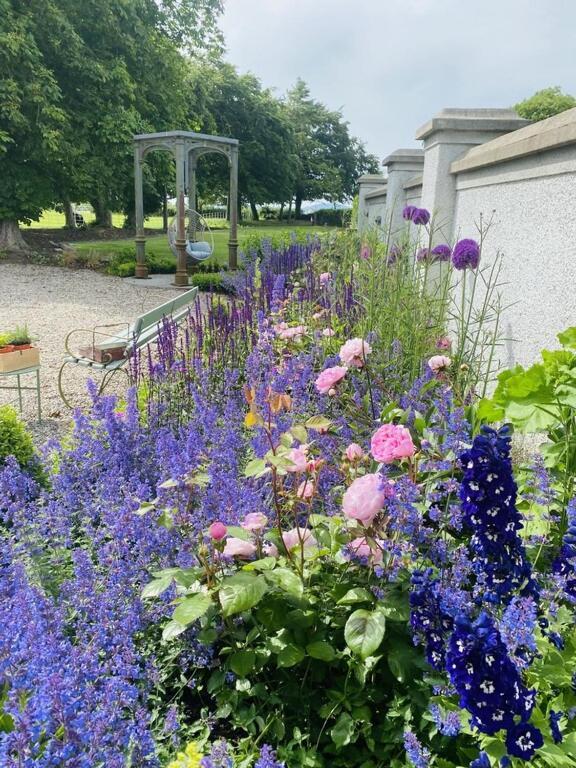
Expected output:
{"points": [[209, 281], [123, 263], [15, 440]]}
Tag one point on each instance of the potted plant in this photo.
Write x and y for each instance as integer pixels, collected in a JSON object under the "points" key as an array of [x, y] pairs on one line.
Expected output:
{"points": [[5, 343], [20, 338]]}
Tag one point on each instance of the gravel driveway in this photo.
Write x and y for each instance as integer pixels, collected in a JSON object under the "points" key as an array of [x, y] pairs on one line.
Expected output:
{"points": [[53, 301]]}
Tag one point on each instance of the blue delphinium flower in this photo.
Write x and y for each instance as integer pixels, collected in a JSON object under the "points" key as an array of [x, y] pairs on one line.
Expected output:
{"points": [[523, 740], [482, 761], [554, 719], [488, 684], [564, 565], [488, 496], [418, 755], [517, 627]]}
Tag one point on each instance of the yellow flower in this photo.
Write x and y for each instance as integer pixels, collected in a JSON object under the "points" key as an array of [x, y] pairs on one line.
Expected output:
{"points": [[190, 758]]}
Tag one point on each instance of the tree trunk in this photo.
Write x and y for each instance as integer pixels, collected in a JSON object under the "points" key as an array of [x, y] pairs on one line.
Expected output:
{"points": [[298, 207], [103, 215], [69, 214], [290, 209], [10, 236], [281, 214], [255, 216]]}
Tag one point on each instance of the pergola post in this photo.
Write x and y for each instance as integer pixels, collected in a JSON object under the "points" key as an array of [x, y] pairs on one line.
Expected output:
{"points": [[181, 276], [192, 163], [140, 239], [233, 239]]}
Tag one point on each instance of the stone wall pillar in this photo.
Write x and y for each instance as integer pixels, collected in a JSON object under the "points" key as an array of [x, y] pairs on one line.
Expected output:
{"points": [[367, 183], [403, 164], [446, 138]]}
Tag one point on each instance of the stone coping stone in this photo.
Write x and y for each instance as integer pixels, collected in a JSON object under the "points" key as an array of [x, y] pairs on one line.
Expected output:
{"points": [[410, 155], [380, 192], [553, 133], [414, 181], [503, 120]]}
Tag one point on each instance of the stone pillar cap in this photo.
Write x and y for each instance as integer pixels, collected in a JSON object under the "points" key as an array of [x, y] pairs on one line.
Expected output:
{"points": [[411, 155], [372, 178], [501, 120]]}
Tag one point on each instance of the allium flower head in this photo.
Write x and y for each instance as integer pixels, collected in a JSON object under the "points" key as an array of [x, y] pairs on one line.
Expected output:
{"points": [[420, 216], [364, 498], [408, 212], [466, 254], [391, 442], [441, 252]]}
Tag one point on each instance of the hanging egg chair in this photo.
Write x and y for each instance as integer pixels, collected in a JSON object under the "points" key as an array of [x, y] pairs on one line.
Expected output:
{"points": [[200, 240]]}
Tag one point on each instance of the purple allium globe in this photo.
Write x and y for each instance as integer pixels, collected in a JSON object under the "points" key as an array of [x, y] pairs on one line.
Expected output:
{"points": [[422, 254], [421, 216], [466, 254], [408, 212], [442, 252]]}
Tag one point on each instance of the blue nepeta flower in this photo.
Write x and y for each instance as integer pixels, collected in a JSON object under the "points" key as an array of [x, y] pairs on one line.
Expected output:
{"points": [[418, 755], [481, 761], [267, 759], [517, 627], [448, 723], [488, 683], [488, 496], [523, 740], [565, 564]]}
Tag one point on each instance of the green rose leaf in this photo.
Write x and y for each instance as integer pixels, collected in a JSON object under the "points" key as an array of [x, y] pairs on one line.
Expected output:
{"points": [[321, 650], [290, 655], [156, 587], [286, 580], [318, 423], [299, 433], [242, 662], [241, 592], [255, 467], [191, 608], [364, 632], [356, 595], [343, 730], [172, 630]]}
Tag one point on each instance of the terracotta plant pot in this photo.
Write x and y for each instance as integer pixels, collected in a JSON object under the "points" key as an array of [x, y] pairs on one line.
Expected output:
{"points": [[20, 347], [6, 349]]}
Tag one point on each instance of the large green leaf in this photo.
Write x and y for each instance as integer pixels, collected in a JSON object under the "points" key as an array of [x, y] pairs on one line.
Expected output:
{"points": [[191, 608], [343, 730], [568, 338], [286, 580], [321, 650], [156, 587], [364, 632], [290, 655], [242, 662], [356, 595], [241, 592]]}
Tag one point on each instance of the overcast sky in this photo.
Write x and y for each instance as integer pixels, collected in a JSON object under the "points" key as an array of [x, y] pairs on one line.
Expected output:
{"points": [[390, 65]]}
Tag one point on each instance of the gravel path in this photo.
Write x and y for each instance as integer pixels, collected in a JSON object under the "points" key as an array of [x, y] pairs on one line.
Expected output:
{"points": [[52, 301]]}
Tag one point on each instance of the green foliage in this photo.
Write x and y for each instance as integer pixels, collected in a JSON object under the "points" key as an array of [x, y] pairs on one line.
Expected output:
{"points": [[123, 263], [545, 103], [15, 440], [207, 281]]}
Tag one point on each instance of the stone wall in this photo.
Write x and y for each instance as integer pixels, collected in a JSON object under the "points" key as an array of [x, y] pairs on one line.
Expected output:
{"points": [[523, 177]]}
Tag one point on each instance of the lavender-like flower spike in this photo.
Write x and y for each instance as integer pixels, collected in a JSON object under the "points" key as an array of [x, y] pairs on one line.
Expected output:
{"points": [[418, 755], [268, 759], [466, 254]]}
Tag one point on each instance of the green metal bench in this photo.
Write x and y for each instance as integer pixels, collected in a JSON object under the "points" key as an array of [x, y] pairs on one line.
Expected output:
{"points": [[115, 349]]}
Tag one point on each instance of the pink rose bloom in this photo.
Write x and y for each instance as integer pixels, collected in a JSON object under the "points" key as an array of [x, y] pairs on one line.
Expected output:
{"points": [[354, 352], [354, 452], [270, 549], [325, 278], [360, 548], [239, 548], [254, 521], [217, 531], [444, 343], [329, 378], [364, 498], [365, 252], [391, 442], [439, 363], [280, 327], [328, 332], [294, 537], [305, 490], [299, 459], [293, 334]]}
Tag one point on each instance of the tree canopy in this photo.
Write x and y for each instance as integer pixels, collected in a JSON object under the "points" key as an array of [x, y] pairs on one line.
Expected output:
{"points": [[545, 103]]}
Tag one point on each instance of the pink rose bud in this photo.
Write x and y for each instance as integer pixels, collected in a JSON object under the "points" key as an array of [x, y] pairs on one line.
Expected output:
{"points": [[439, 363], [297, 536], [239, 548], [254, 521], [329, 377], [217, 531], [391, 442], [298, 458], [354, 452], [364, 498], [354, 352], [328, 332], [305, 490], [332, 392]]}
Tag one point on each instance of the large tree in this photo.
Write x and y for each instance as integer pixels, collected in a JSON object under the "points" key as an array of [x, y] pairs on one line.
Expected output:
{"points": [[329, 158], [545, 103]]}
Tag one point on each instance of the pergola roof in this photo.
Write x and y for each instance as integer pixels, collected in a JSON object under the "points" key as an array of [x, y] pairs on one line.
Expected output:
{"points": [[190, 135]]}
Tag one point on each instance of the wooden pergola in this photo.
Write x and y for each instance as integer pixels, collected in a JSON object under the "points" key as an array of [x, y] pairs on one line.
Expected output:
{"points": [[186, 147]]}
